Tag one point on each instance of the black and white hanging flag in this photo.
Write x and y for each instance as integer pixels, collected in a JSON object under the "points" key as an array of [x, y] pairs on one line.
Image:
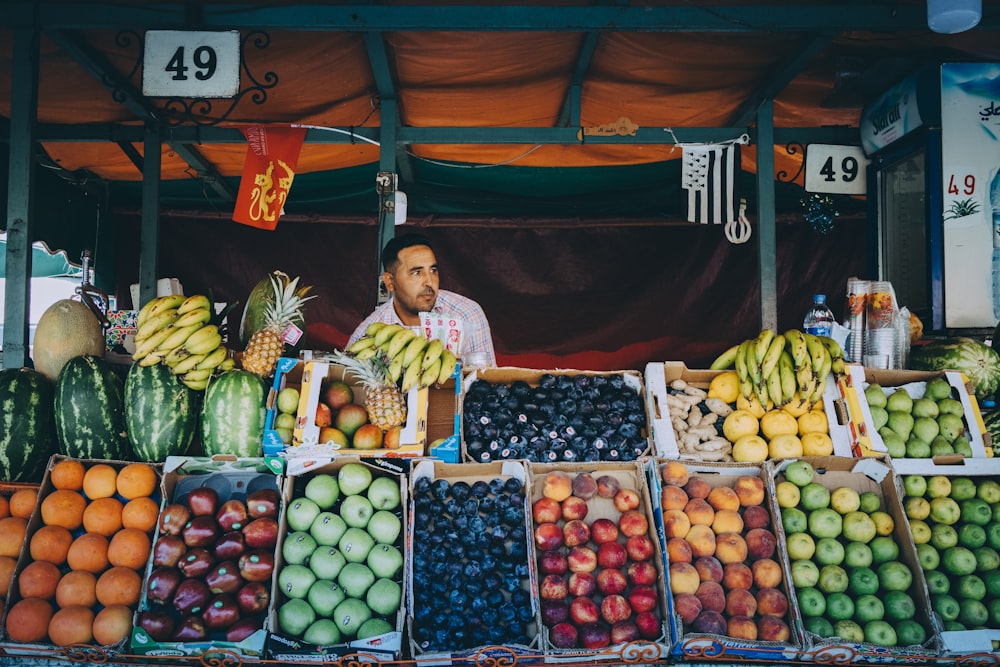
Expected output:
{"points": [[708, 173]]}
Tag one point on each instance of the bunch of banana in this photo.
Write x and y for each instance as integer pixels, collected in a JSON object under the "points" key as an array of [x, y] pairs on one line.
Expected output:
{"points": [[176, 331], [412, 360], [777, 368]]}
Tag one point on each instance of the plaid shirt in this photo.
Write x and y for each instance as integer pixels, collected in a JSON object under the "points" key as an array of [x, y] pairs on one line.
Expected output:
{"points": [[476, 337]]}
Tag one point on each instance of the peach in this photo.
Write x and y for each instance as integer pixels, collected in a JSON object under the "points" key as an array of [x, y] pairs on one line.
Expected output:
{"points": [[603, 530], [761, 543], [584, 485], [611, 581], [737, 575], [709, 569], [766, 573], [730, 548], [557, 485], [552, 562], [548, 536], [582, 584], [770, 602], [750, 490], [612, 554], [741, 627], [573, 508], [674, 472], [740, 602], [642, 573], [626, 499], [723, 498], [633, 522], [615, 608], [625, 631], [756, 516], [772, 629], [575, 533], [699, 511], [581, 559], [712, 596], [676, 523], [727, 521], [553, 587], [607, 486], [673, 497], [702, 540], [639, 548], [687, 606], [546, 510], [709, 622], [684, 578], [678, 550], [696, 487]]}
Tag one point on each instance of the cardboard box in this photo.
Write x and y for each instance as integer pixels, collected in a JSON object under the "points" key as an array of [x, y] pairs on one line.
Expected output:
{"points": [[659, 375], [692, 645], [873, 474], [46, 650], [630, 476], [541, 424], [422, 556], [387, 646], [230, 478], [852, 388]]}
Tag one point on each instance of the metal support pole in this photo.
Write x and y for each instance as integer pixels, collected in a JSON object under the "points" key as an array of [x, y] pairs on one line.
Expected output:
{"points": [[150, 225], [766, 243]]}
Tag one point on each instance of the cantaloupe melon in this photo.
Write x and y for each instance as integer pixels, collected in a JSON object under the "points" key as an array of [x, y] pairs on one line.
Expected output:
{"points": [[66, 329]]}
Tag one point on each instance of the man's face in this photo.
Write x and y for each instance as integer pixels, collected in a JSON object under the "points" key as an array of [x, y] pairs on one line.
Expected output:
{"points": [[414, 285]]}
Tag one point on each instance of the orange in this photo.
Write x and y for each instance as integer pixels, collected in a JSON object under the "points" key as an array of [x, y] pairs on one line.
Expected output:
{"points": [[12, 529], [38, 580], [63, 508], [103, 516], [140, 513], [72, 625], [112, 624], [28, 620], [99, 481], [67, 474], [22, 502], [89, 552], [118, 585], [4, 507], [77, 588], [50, 543], [129, 548], [6, 574], [136, 480]]}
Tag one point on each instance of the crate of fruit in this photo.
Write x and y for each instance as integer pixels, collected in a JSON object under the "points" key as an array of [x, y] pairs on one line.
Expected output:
{"points": [[81, 558], [548, 416], [856, 576], [726, 569], [600, 568]]}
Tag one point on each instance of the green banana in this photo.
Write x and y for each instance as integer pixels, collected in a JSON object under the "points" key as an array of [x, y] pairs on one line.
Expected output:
{"points": [[434, 350], [179, 337], [374, 328], [414, 351], [362, 343], [725, 360], [195, 385], [383, 335], [194, 302], [190, 363], [786, 371], [753, 366], [774, 388], [155, 323], [795, 341], [204, 340], [396, 369], [837, 363], [772, 355], [741, 361], [398, 342], [430, 375], [763, 341], [447, 366], [227, 364], [760, 388], [197, 316], [746, 389], [213, 358], [410, 378]]}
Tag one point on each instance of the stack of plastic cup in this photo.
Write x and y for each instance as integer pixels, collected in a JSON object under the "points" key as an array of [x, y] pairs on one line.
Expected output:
{"points": [[880, 326], [857, 300]]}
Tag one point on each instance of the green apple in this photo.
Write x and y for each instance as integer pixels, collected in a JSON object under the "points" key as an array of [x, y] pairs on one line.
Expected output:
{"points": [[954, 626], [915, 485], [829, 551], [920, 531], [805, 573], [894, 576], [962, 488], [916, 508], [285, 435], [863, 581], [787, 494], [993, 534], [971, 536], [295, 580], [875, 396], [973, 613], [284, 421], [356, 579], [374, 627], [799, 473], [938, 582], [825, 522], [946, 606], [323, 632], [355, 545], [832, 579], [928, 557], [297, 548], [384, 597], [938, 486], [327, 528], [295, 616], [857, 554], [958, 561], [819, 626], [849, 631], [881, 633], [814, 496], [323, 490], [899, 401], [839, 607], [869, 608], [844, 499], [977, 511], [354, 478], [899, 605], [324, 596], [326, 562], [884, 548], [300, 513], [945, 510], [384, 527], [994, 607], [356, 511], [943, 536], [800, 546], [811, 601], [385, 561], [987, 559], [383, 493], [350, 615], [925, 407], [870, 502], [859, 527], [794, 520], [287, 401], [971, 587], [910, 633], [938, 389]]}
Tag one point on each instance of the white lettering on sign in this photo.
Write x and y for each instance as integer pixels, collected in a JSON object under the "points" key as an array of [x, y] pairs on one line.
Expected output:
{"points": [[178, 63], [836, 169]]}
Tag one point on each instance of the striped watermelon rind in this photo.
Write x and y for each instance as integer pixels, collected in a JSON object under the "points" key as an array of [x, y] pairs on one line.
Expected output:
{"points": [[27, 425], [90, 411], [979, 362], [232, 415], [161, 413]]}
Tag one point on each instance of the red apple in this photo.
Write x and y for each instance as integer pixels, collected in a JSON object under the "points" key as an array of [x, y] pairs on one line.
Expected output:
{"points": [[167, 550], [261, 533], [253, 597], [263, 503], [203, 501], [221, 612], [173, 518], [256, 565], [200, 531]]}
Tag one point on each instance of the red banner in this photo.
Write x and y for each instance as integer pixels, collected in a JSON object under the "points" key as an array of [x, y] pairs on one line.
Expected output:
{"points": [[272, 156]]}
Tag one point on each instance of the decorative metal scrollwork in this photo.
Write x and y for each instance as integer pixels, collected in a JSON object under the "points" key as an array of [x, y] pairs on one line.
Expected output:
{"points": [[85, 653], [793, 149], [220, 658]]}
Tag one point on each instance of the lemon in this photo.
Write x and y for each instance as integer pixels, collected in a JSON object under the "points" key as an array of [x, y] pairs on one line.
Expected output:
{"points": [[750, 449], [787, 494], [816, 444], [813, 421], [750, 404], [785, 446], [738, 424], [725, 386], [778, 422], [797, 407]]}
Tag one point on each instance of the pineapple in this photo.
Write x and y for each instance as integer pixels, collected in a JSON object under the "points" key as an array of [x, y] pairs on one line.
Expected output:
{"points": [[384, 402], [268, 344]]}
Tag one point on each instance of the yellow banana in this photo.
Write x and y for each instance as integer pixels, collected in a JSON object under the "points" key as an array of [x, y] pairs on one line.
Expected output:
{"points": [[414, 351], [194, 302], [741, 362], [196, 316], [746, 389], [837, 363], [213, 358], [195, 376], [430, 375], [772, 355], [383, 335], [190, 363], [432, 354], [726, 359], [150, 359], [410, 378], [227, 364], [367, 353], [195, 385], [179, 337], [198, 342], [774, 390], [817, 393], [396, 369], [206, 345], [786, 371], [155, 323], [824, 370], [795, 341], [172, 357], [145, 311], [398, 342], [805, 379], [374, 328], [165, 303], [817, 352], [150, 344], [763, 342], [447, 366], [362, 343], [760, 389]]}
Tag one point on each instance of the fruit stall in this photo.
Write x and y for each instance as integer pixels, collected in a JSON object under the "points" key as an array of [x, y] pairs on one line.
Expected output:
{"points": [[384, 504]]}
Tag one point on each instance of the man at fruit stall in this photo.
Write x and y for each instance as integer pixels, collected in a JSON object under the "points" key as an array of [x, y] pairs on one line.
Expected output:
{"points": [[410, 273]]}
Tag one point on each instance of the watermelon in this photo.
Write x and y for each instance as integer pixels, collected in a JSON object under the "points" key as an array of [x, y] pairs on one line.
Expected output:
{"points": [[90, 411], [232, 415], [161, 414], [979, 362], [27, 425]]}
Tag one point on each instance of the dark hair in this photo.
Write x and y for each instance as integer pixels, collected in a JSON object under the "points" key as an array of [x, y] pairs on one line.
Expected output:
{"points": [[390, 253]]}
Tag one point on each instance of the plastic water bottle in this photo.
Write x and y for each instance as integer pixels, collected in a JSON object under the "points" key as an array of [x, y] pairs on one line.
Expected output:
{"points": [[819, 320]]}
